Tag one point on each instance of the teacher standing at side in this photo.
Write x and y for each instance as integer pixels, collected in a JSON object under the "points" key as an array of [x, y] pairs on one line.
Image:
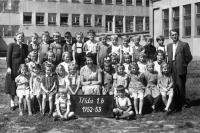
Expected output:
{"points": [[179, 56]]}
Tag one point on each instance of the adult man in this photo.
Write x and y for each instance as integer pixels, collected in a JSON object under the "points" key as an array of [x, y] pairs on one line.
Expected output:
{"points": [[179, 56]]}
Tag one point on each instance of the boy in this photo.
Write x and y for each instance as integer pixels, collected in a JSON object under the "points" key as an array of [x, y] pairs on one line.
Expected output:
{"points": [[123, 105], [91, 45], [137, 48], [150, 50]]}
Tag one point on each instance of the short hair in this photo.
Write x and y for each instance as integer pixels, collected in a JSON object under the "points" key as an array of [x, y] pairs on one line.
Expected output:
{"points": [[79, 33], [126, 38], [32, 53], [60, 67], [120, 65], [142, 55], [16, 34], [126, 54], [37, 66], [50, 53], [174, 30], [149, 38], [48, 66], [133, 64], [120, 88], [89, 55], [160, 37], [136, 37], [21, 67], [163, 65], [91, 31], [34, 35], [64, 54], [67, 34], [45, 33], [103, 36], [63, 91], [161, 52], [56, 34], [73, 65], [106, 63], [150, 63]]}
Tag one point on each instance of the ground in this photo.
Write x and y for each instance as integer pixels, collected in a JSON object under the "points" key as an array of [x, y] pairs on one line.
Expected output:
{"points": [[186, 121]]}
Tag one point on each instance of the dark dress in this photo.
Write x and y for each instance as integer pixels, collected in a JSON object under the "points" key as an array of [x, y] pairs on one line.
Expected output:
{"points": [[150, 51], [15, 57]]}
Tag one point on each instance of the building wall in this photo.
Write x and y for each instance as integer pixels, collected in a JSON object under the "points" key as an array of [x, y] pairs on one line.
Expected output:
{"points": [[156, 21]]}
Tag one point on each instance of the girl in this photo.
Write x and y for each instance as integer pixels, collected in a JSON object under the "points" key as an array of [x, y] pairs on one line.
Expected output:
{"points": [[160, 55], [35, 86], [103, 50], [114, 61], [32, 62], [120, 78], [69, 43], [137, 48], [61, 74], [79, 50], [151, 91], [127, 61], [142, 63], [107, 87], [50, 57], [73, 81], [136, 88], [150, 50], [63, 107], [165, 84], [56, 47], [48, 85], [22, 82], [67, 60], [125, 48], [44, 47], [115, 48], [34, 46]]}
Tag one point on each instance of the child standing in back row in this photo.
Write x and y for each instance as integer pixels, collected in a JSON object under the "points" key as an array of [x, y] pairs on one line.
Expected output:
{"points": [[137, 48], [160, 39], [150, 50], [44, 47], [125, 48], [34, 46]]}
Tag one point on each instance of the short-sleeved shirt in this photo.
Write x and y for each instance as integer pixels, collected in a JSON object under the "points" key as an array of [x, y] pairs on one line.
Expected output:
{"points": [[121, 102], [63, 103], [23, 81], [127, 49], [48, 81], [120, 79], [115, 49], [72, 79], [91, 46], [44, 47], [142, 67]]}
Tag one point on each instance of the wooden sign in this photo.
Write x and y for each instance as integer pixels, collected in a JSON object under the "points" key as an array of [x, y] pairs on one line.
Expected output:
{"points": [[93, 105]]}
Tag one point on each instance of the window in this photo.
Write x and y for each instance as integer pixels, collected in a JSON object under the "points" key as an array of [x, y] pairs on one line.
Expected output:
{"points": [[176, 18], [129, 2], [147, 23], [147, 3], [40, 18], [119, 24], [75, 1], [52, 18], [129, 23], [198, 19], [139, 24], [8, 30], [87, 1], [9, 6], [63, 0], [63, 19], [166, 23], [27, 17], [40, 0], [87, 20], [139, 3], [52, 0], [75, 19], [109, 2], [119, 2], [98, 1], [98, 20], [187, 20]]}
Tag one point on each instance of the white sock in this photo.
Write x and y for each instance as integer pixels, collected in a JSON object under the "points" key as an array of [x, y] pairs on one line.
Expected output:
{"points": [[12, 103]]}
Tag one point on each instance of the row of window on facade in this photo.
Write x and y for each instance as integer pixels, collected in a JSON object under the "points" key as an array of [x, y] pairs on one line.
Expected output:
{"points": [[186, 20], [64, 20]]}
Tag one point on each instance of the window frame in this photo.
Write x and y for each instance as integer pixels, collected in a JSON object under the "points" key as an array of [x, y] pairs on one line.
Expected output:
{"points": [[87, 1], [41, 15], [128, 3], [108, 3], [139, 4], [27, 14], [175, 17], [147, 24], [95, 24], [63, 23], [75, 16], [138, 24], [197, 15], [128, 21], [165, 19], [89, 19], [185, 17], [98, 2], [52, 15], [119, 3]]}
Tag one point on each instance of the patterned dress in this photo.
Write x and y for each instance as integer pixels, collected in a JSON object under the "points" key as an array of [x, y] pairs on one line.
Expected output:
{"points": [[35, 81], [165, 81], [48, 82]]}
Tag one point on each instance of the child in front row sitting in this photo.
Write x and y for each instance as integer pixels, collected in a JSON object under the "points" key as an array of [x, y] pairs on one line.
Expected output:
{"points": [[48, 85], [63, 106], [165, 84], [120, 78], [23, 89], [136, 88], [73, 81], [123, 107]]}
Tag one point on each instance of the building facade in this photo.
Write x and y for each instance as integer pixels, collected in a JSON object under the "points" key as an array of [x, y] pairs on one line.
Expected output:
{"points": [[183, 15], [104, 16]]}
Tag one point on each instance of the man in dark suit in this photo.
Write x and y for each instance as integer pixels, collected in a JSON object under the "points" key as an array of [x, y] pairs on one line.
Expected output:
{"points": [[179, 56]]}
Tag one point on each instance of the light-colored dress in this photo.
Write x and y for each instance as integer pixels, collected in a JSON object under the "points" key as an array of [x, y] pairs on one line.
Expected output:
{"points": [[66, 65], [126, 68], [157, 67], [22, 83], [142, 67], [120, 80], [90, 75], [115, 49], [30, 65], [35, 80], [151, 88], [165, 81]]}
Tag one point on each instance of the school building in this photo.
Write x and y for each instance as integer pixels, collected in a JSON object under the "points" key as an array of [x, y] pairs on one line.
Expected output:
{"points": [[183, 15], [104, 16]]}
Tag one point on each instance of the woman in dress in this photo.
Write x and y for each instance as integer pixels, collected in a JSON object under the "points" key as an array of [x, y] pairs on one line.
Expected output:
{"points": [[16, 54], [91, 77]]}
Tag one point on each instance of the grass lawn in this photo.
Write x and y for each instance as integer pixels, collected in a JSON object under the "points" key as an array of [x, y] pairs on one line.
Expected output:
{"points": [[185, 121]]}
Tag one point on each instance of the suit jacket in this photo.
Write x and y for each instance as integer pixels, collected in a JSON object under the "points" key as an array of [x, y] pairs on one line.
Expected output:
{"points": [[182, 57]]}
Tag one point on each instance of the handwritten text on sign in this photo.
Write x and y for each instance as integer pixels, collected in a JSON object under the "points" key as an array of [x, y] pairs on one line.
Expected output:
{"points": [[92, 105]]}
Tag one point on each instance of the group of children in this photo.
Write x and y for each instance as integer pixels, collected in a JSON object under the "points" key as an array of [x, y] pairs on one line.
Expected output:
{"points": [[51, 73]]}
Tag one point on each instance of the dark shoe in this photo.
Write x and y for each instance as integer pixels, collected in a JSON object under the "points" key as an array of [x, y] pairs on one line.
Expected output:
{"points": [[140, 116], [117, 117], [167, 112], [137, 116], [50, 113], [12, 108], [55, 119], [154, 111], [128, 118]]}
